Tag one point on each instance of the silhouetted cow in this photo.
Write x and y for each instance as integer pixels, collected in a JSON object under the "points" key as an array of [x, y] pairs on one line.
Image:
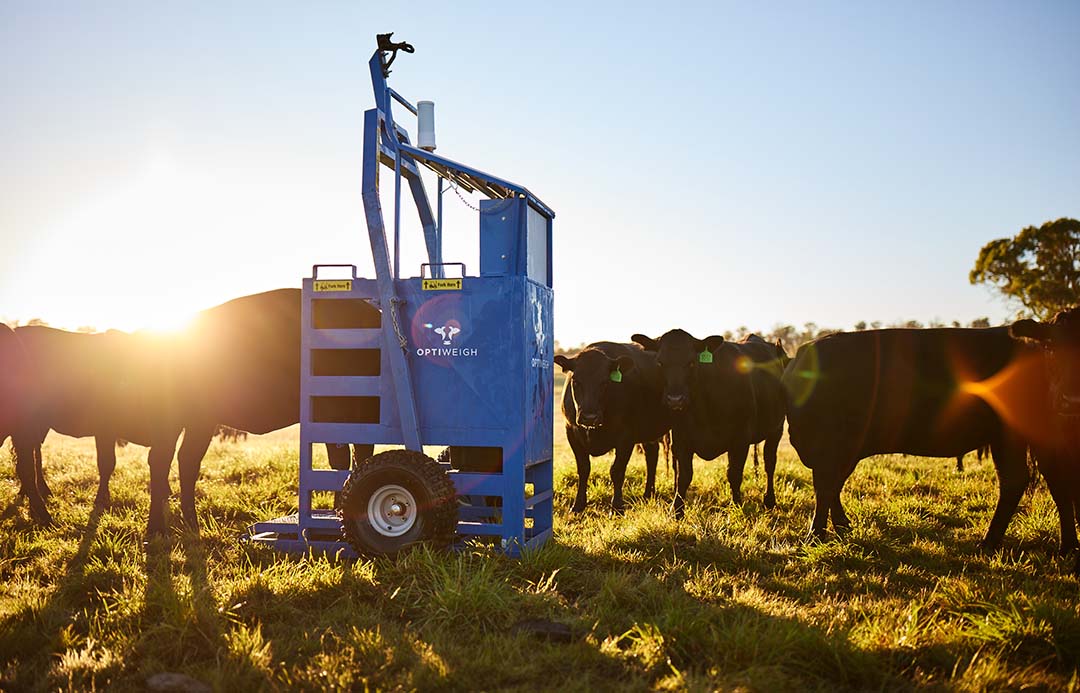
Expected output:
{"points": [[927, 392], [1059, 457], [108, 386], [238, 365], [611, 401], [723, 397]]}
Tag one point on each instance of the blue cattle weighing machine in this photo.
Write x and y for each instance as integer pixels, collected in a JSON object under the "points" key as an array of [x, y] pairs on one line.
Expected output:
{"points": [[444, 358]]}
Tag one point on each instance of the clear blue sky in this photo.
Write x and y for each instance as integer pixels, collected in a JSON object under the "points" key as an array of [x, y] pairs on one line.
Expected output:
{"points": [[712, 164]]}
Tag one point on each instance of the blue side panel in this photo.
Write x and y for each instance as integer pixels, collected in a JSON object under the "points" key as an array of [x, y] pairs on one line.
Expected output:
{"points": [[538, 368]]}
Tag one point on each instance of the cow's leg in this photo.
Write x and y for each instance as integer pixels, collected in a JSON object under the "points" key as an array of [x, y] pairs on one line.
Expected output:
{"points": [[338, 455], [823, 499], [23, 446], [684, 475], [652, 454], [771, 444], [159, 460], [106, 463], [840, 520], [1058, 485], [736, 464], [1010, 461], [361, 452], [618, 475], [39, 475], [584, 466], [959, 464], [189, 459]]}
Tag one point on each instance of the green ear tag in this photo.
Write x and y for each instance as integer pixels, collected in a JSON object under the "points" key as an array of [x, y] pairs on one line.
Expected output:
{"points": [[616, 376], [705, 357]]}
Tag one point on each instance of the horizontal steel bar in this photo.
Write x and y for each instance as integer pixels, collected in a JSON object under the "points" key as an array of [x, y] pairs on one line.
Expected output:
{"points": [[342, 386], [538, 498], [369, 338]]}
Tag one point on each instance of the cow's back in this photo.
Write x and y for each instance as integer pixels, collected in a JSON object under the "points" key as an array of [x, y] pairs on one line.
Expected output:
{"points": [[933, 392], [241, 362], [93, 384]]}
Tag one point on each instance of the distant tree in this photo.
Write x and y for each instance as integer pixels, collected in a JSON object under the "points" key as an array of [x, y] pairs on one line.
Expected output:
{"points": [[956, 323], [860, 326], [90, 329], [37, 322], [876, 325], [913, 325], [980, 322], [1039, 268]]}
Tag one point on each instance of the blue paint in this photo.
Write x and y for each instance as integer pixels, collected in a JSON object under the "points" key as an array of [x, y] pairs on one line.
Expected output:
{"points": [[469, 366]]}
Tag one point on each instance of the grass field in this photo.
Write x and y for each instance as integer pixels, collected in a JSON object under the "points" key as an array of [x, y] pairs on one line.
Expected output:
{"points": [[730, 598]]}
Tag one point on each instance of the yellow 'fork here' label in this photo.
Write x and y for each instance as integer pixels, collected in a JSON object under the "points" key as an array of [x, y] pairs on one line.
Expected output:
{"points": [[333, 285], [442, 284]]}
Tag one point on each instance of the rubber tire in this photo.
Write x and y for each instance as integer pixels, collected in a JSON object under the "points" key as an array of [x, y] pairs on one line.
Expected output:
{"points": [[430, 486]]}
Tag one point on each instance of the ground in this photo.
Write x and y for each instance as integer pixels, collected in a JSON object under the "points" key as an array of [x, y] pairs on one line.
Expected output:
{"points": [[731, 597]]}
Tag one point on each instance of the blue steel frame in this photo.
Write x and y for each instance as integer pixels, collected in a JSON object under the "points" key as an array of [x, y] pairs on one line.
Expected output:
{"points": [[502, 389]]}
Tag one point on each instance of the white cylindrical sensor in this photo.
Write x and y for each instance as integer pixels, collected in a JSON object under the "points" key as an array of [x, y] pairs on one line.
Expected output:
{"points": [[425, 128]]}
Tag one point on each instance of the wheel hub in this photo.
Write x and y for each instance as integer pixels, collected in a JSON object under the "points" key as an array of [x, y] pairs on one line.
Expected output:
{"points": [[391, 510]]}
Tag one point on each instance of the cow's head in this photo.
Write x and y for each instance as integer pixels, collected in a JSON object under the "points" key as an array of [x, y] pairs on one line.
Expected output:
{"points": [[1060, 339], [679, 355], [594, 377]]}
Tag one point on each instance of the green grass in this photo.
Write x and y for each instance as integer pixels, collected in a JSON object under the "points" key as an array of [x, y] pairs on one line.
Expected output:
{"points": [[729, 598]]}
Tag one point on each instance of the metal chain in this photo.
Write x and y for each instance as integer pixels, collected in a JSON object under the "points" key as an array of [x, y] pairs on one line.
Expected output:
{"points": [[495, 210], [394, 303]]}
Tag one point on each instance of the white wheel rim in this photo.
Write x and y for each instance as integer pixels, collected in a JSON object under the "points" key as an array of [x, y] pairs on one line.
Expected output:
{"points": [[391, 510]]}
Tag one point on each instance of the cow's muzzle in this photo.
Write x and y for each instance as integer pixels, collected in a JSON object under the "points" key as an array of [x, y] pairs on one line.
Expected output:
{"points": [[676, 402], [589, 420]]}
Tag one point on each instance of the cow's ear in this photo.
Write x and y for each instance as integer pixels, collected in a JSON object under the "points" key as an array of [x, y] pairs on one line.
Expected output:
{"points": [[649, 343], [1030, 329], [623, 363], [713, 342], [566, 362]]}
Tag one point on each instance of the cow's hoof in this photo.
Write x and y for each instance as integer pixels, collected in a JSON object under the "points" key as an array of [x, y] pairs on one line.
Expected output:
{"points": [[577, 508], [41, 517], [679, 511], [770, 501], [191, 519], [155, 530], [1067, 549], [987, 546], [649, 494], [102, 501], [618, 510], [736, 499]]}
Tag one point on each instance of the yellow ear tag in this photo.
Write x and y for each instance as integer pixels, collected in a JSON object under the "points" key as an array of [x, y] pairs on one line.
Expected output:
{"points": [[616, 376], [705, 357]]}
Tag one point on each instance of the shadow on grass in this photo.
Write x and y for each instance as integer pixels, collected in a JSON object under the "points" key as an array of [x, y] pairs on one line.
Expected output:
{"points": [[34, 630]]}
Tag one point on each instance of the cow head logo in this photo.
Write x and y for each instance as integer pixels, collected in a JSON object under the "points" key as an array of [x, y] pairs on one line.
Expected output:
{"points": [[447, 332]]}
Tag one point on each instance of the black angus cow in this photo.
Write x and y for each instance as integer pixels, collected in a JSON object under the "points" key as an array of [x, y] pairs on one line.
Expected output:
{"points": [[611, 401], [723, 397], [237, 365], [1059, 456], [108, 386], [926, 392]]}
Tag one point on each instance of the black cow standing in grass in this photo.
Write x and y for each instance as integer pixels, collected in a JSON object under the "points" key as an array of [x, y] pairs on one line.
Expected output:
{"points": [[611, 401], [237, 365], [723, 397], [926, 392], [1059, 456], [109, 386]]}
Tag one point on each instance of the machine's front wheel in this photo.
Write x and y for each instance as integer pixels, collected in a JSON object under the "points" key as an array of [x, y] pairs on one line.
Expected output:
{"points": [[396, 499]]}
